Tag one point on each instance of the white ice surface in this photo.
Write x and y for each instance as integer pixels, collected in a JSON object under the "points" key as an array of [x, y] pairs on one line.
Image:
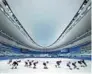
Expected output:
{"points": [[6, 68]]}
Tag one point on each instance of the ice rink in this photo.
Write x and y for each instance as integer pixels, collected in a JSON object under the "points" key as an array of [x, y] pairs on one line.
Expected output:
{"points": [[6, 68]]}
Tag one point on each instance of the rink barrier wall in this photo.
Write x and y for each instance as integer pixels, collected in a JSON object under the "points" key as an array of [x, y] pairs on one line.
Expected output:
{"points": [[6, 58], [72, 49]]}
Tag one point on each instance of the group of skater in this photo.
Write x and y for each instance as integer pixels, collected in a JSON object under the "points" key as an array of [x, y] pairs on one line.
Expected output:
{"points": [[27, 63], [33, 64], [74, 65]]}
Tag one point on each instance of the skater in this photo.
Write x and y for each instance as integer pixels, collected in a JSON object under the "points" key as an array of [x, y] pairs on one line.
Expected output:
{"points": [[74, 64], [58, 64], [68, 65], [14, 65], [26, 63], [45, 65], [84, 63], [30, 63], [35, 63], [79, 62]]}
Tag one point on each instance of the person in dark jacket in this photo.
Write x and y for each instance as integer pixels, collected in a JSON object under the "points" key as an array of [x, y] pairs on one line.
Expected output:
{"points": [[35, 64], [14, 65], [58, 64], [68, 65], [75, 66], [45, 64], [84, 62]]}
